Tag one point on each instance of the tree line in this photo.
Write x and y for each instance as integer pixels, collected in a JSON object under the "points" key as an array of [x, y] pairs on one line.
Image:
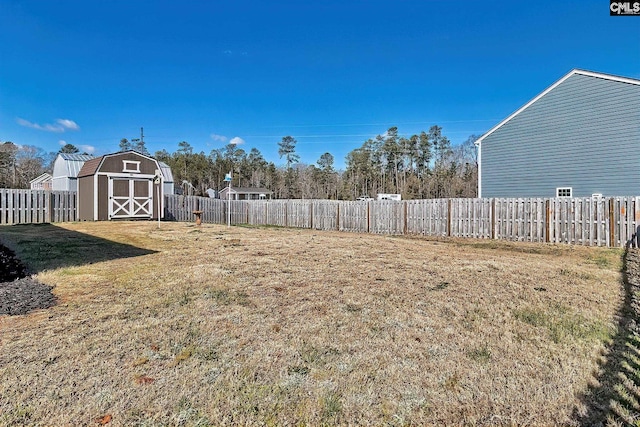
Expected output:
{"points": [[424, 165], [19, 164]]}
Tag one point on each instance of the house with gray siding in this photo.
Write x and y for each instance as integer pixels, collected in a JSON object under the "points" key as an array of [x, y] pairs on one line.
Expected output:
{"points": [[578, 138]]}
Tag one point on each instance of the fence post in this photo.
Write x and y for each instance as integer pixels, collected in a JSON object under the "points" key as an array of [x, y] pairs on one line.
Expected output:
{"points": [[493, 219], [547, 221], [405, 228], [311, 214], [368, 217], [612, 224], [448, 217], [49, 207]]}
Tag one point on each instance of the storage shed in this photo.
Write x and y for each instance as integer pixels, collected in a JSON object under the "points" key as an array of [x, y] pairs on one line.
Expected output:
{"points": [[578, 138], [42, 182], [65, 171], [167, 176], [123, 185]]}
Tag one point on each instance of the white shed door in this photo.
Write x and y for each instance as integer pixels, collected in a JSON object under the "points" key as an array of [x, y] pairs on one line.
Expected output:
{"points": [[130, 198]]}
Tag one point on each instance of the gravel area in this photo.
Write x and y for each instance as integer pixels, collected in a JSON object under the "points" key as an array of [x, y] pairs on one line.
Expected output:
{"points": [[19, 292]]}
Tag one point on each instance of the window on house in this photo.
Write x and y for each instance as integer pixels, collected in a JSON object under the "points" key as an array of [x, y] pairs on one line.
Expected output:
{"points": [[564, 192], [130, 166]]}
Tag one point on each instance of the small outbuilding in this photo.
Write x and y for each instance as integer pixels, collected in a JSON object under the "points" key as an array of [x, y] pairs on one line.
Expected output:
{"points": [[243, 193], [123, 185], [65, 171], [167, 176], [42, 182]]}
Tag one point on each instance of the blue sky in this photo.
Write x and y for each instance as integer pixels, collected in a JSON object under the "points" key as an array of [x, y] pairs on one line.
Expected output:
{"points": [[329, 73]]}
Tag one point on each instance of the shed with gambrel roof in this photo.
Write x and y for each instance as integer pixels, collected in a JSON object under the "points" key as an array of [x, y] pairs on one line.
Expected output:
{"points": [[124, 185], [65, 171]]}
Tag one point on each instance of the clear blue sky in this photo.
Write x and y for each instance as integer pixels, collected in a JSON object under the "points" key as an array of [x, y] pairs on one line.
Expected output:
{"points": [[329, 73]]}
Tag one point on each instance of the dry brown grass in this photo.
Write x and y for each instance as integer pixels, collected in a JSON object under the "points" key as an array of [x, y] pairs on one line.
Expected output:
{"points": [[264, 326]]}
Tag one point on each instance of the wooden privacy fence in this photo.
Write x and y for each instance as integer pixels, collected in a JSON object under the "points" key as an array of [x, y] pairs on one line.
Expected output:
{"points": [[37, 206], [580, 221]]}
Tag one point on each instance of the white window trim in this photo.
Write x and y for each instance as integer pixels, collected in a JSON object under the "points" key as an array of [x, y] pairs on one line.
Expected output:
{"points": [[558, 189], [127, 166]]}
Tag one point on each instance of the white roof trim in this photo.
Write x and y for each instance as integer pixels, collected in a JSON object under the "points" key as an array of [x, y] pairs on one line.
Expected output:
{"points": [[41, 178], [553, 86]]}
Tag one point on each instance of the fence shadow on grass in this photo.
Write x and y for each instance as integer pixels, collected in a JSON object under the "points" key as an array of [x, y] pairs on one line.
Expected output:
{"points": [[614, 399], [46, 246]]}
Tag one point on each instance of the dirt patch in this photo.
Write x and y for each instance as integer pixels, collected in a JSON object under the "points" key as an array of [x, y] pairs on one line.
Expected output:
{"points": [[20, 293]]}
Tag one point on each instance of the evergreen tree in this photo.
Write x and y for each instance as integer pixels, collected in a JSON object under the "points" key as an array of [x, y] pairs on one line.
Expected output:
{"points": [[287, 148], [69, 149]]}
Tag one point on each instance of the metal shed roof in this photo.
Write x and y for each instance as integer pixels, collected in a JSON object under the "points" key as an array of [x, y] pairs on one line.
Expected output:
{"points": [[73, 162], [166, 172], [41, 178]]}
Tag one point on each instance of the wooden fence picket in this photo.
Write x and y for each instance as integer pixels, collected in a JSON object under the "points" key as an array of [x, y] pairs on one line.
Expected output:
{"points": [[596, 221]]}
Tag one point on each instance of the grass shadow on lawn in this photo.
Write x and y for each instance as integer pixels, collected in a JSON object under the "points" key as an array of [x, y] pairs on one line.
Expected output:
{"points": [[615, 398], [46, 247]]}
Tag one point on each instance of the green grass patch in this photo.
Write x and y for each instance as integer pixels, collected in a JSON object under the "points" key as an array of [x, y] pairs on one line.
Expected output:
{"points": [[607, 259], [331, 407], [225, 296], [563, 325], [481, 354]]}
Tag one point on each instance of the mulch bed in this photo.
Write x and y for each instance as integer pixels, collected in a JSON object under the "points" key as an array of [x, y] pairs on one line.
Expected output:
{"points": [[19, 292]]}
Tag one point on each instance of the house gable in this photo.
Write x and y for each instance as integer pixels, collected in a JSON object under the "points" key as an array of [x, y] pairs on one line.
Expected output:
{"points": [[582, 132]]}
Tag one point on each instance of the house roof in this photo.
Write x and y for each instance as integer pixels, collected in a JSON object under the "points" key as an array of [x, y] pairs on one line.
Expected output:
{"points": [[41, 178], [247, 190], [553, 86]]}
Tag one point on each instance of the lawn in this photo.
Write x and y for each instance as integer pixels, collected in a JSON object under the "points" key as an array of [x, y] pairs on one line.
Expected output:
{"points": [[186, 325]]}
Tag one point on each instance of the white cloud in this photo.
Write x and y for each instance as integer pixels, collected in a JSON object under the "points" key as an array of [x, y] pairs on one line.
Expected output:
{"points": [[68, 124], [236, 141], [89, 149], [60, 126], [220, 138], [62, 142], [28, 124]]}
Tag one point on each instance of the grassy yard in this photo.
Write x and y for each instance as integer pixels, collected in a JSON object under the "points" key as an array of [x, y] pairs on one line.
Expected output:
{"points": [[265, 326]]}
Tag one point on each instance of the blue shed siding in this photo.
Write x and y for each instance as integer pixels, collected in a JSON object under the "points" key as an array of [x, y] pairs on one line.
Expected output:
{"points": [[584, 134]]}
